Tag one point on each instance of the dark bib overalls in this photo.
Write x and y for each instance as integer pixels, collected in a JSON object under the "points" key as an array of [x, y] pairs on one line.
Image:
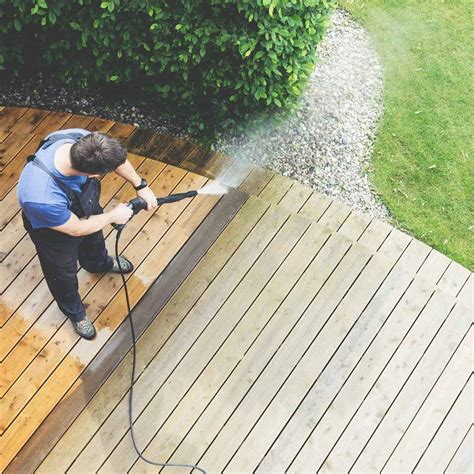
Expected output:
{"points": [[59, 252]]}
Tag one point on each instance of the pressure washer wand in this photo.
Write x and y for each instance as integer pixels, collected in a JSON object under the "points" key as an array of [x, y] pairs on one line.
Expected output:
{"points": [[175, 197], [138, 204]]}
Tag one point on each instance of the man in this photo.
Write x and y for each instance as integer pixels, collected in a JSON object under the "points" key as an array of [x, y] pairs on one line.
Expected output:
{"points": [[59, 193]]}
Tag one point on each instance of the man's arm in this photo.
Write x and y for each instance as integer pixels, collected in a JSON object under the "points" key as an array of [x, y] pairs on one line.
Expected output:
{"points": [[76, 227], [127, 171]]}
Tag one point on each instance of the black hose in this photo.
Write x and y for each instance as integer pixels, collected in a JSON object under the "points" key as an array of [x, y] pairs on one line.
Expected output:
{"points": [[134, 359]]}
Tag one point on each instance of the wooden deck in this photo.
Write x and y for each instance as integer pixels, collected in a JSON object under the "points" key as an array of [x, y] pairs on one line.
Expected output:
{"points": [[279, 330]]}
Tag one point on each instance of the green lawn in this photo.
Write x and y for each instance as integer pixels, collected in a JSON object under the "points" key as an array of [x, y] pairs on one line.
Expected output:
{"points": [[423, 163]]}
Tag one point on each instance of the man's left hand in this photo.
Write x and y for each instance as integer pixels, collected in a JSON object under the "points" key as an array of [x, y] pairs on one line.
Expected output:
{"points": [[149, 196]]}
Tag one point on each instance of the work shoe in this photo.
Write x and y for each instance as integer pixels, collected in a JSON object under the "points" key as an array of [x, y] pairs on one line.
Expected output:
{"points": [[85, 328], [127, 266]]}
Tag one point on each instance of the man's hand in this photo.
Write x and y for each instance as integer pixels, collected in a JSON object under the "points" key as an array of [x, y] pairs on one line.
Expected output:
{"points": [[121, 214], [76, 227], [149, 196]]}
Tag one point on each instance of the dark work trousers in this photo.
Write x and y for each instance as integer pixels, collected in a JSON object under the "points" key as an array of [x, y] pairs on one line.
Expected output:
{"points": [[58, 254]]}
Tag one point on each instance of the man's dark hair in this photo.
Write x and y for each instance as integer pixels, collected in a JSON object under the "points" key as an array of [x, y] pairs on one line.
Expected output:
{"points": [[97, 153]]}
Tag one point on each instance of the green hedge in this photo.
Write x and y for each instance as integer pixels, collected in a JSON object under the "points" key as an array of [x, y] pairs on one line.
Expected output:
{"points": [[240, 54]]}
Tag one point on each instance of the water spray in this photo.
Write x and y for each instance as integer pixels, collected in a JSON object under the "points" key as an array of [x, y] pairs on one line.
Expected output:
{"points": [[138, 204]]}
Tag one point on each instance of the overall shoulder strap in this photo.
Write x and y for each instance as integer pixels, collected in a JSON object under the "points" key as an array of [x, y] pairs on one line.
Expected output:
{"points": [[47, 142], [59, 136], [71, 194]]}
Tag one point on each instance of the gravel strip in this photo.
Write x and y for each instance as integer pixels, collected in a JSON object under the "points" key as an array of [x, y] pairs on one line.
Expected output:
{"points": [[328, 142], [325, 145], [43, 93]]}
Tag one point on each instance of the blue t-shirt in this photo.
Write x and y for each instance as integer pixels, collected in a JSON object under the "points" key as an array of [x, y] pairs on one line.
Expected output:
{"points": [[41, 198]]}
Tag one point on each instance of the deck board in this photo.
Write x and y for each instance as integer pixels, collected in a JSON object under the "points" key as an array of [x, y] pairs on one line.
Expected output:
{"points": [[295, 198], [283, 332], [51, 123], [10, 116], [8, 208], [11, 146], [12, 170], [77, 121], [3, 135], [462, 460], [276, 189], [450, 434]]}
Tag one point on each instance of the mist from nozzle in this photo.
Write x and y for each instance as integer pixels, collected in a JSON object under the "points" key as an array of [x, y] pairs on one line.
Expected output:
{"points": [[214, 188]]}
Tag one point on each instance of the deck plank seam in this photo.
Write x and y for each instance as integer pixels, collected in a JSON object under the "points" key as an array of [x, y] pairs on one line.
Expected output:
{"points": [[286, 192], [13, 108], [14, 126], [23, 240], [5, 164], [460, 444], [466, 281], [443, 420]]}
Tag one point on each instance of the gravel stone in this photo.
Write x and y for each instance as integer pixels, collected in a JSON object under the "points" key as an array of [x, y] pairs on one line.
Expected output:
{"points": [[326, 144]]}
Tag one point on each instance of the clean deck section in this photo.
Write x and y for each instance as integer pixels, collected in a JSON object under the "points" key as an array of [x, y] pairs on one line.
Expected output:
{"points": [[279, 330]]}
